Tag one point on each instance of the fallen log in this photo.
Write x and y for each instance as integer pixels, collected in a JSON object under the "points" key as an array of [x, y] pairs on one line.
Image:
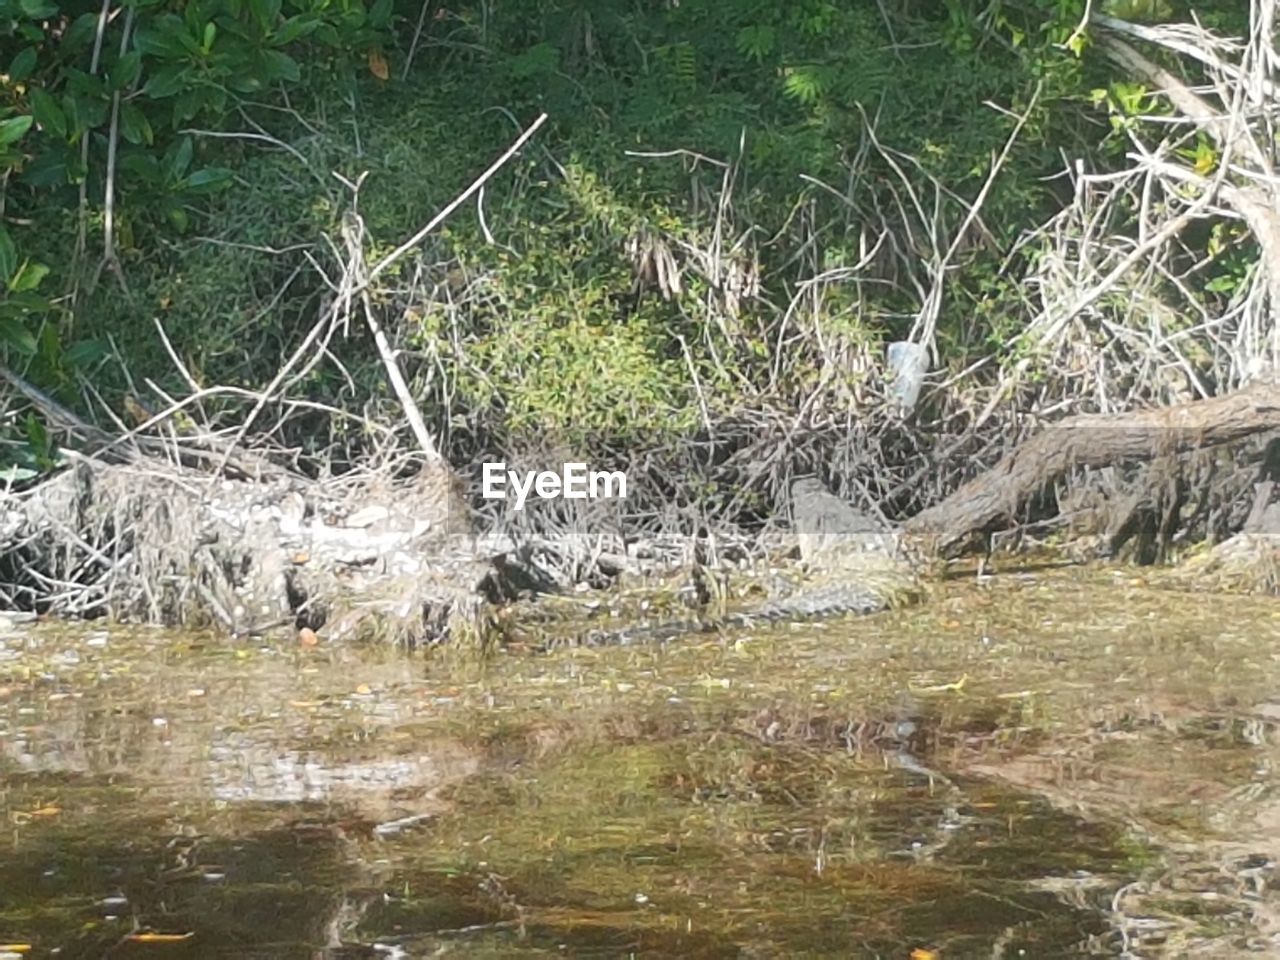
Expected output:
{"points": [[994, 498]]}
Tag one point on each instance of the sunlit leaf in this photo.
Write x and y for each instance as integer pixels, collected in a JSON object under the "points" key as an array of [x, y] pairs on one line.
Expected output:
{"points": [[805, 84], [14, 128], [28, 277], [15, 474], [1206, 158]]}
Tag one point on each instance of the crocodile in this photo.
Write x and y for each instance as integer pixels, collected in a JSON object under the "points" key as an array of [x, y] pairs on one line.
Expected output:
{"points": [[855, 565]]}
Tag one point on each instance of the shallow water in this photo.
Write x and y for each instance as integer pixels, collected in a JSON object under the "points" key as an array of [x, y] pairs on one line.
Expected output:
{"points": [[1053, 763]]}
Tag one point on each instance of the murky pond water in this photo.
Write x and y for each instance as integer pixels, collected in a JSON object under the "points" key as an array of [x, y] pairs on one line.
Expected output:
{"points": [[1055, 763]]}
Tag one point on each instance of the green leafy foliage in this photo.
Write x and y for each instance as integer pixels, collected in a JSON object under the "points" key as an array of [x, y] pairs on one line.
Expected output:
{"points": [[786, 93], [170, 64]]}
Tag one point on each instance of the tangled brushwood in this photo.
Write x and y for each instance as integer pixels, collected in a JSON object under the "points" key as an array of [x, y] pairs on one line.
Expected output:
{"points": [[1122, 416]]}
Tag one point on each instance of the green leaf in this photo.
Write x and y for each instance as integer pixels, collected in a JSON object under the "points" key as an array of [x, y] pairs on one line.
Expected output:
{"points": [[134, 125], [85, 84], [48, 169], [160, 38], [538, 60], [279, 66], [84, 352], [756, 42], [80, 33], [208, 180], [294, 29], [125, 72], [216, 99], [13, 474], [169, 80], [37, 435], [22, 64], [27, 302], [14, 334], [805, 84], [210, 34], [245, 83], [82, 113], [380, 14], [265, 12], [38, 9], [178, 158], [188, 103], [8, 255], [143, 166], [50, 345], [13, 129], [28, 277], [47, 113], [327, 34]]}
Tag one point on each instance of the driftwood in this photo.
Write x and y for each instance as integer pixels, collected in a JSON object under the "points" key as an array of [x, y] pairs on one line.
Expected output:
{"points": [[149, 541], [366, 557], [993, 499]]}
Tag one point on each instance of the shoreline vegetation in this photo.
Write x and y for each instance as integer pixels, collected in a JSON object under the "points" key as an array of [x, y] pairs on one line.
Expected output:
{"points": [[1081, 357]]}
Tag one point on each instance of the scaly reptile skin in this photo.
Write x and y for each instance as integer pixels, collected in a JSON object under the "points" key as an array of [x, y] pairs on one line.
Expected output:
{"points": [[854, 564]]}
